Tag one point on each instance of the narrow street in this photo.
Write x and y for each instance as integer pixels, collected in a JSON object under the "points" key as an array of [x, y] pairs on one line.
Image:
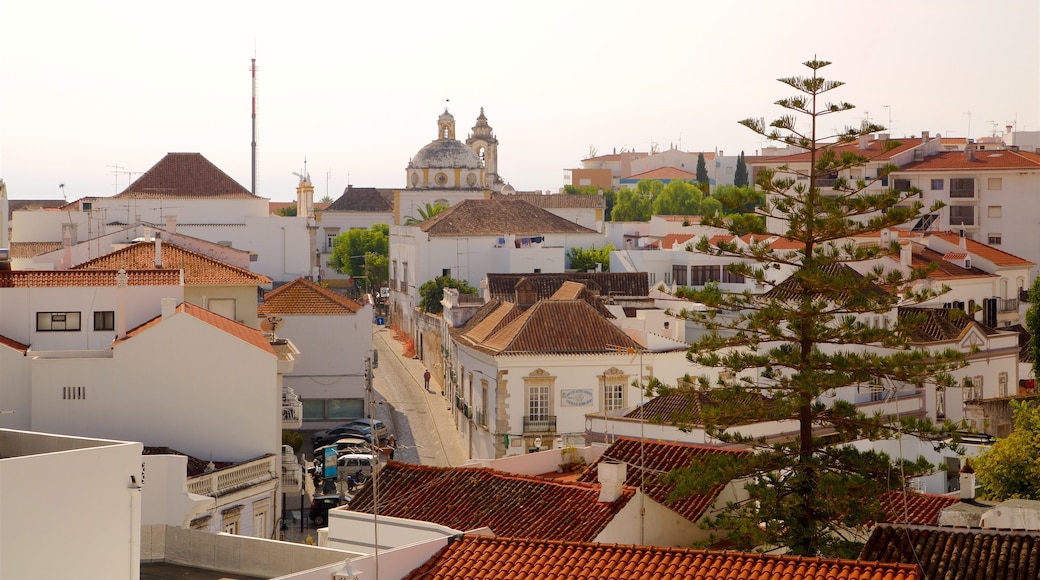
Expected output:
{"points": [[421, 420]]}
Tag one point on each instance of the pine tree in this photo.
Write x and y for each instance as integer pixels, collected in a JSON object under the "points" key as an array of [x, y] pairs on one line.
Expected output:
{"points": [[805, 338], [702, 170], [740, 177]]}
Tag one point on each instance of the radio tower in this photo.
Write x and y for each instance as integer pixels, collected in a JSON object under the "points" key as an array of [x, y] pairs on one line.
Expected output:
{"points": [[252, 70]]}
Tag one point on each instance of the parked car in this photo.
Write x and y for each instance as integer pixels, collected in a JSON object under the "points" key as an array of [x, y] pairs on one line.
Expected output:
{"points": [[355, 462], [344, 445], [327, 436], [370, 425], [320, 506]]}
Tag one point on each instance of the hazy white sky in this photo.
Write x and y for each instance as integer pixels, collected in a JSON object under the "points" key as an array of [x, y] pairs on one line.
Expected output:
{"points": [[356, 88]]}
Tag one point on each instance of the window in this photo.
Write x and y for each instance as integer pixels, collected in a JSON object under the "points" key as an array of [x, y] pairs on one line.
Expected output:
{"points": [[701, 275], [993, 239], [483, 403], [653, 278], [73, 393], [1002, 384], [446, 272], [937, 184], [57, 321], [105, 320], [613, 397], [404, 278], [973, 388], [87, 205], [994, 211], [393, 273], [667, 277], [538, 402], [731, 278], [330, 240], [962, 215], [940, 403], [962, 187], [332, 409], [995, 183], [901, 184], [877, 390], [680, 273]]}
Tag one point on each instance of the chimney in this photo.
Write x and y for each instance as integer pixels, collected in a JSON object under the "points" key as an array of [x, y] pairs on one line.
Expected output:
{"points": [[158, 250], [169, 306], [924, 136], [171, 224], [967, 482], [906, 254], [71, 229], [121, 283], [969, 151], [864, 141], [964, 241], [66, 244], [611, 478]]}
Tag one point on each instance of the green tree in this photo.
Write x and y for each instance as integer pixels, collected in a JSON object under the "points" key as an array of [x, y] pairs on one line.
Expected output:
{"points": [[354, 252], [1033, 326], [584, 260], [806, 338], [678, 198], [432, 292], [702, 169], [287, 211], [740, 176], [635, 204], [738, 199], [1010, 469], [581, 190], [426, 212], [326, 199]]}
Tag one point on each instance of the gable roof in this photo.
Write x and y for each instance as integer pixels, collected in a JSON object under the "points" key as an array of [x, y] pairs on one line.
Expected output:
{"points": [[303, 297], [683, 240], [504, 558], [985, 160], [663, 173], [33, 249], [81, 278], [13, 344], [915, 508], [511, 505], [559, 201], [941, 324], [503, 286], [185, 175], [647, 460], [199, 269], [496, 217], [922, 257], [236, 329], [984, 251], [554, 327], [956, 553], [874, 151], [364, 199]]}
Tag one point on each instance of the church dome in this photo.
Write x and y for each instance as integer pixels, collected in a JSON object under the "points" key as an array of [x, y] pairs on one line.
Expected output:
{"points": [[447, 154]]}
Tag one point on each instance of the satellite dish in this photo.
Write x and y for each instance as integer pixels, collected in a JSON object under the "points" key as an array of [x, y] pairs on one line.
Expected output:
{"points": [[272, 323]]}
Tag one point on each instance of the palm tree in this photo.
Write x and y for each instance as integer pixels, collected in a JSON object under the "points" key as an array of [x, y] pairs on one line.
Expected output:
{"points": [[426, 212]]}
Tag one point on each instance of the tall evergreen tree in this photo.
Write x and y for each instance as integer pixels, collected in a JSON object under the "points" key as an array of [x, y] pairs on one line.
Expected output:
{"points": [[740, 177], [702, 170], [1033, 327], [787, 350]]}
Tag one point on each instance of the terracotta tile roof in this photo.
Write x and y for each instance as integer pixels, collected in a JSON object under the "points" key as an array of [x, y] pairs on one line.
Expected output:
{"points": [[791, 288], [305, 298], [498, 216], [559, 201], [569, 291], [634, 284], [14, 205], [984, 251], [665, 173], [236, 329], [275, 206], [195, 465], [874, 151], [957, 553], [32, 249], [199, 270], [941, 324], [922, 257], [671, 239], [693, 219], [71, 278], [364, 199], [955, 255], [488, 320], [13, 344], [557, 327], [617, 156], [504, 558], [511, 505], [682, 407], [658, 457], [986, 160], [185, 175], [915, 508]]}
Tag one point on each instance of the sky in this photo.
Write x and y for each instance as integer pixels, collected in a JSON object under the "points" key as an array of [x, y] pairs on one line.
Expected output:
{"points": [[94, 93]]}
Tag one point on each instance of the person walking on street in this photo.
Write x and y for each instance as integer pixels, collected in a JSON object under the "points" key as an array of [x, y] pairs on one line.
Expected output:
{"points": [[426, 378], [391, 442]]}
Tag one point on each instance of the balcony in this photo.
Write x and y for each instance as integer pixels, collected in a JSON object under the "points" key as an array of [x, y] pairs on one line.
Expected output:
{"points": [[1007, 304], [230, 479], [292, 409], [541, 424]]}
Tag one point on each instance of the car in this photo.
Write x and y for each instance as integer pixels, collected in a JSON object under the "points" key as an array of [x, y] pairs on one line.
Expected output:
{"points": [[344, 445], [320, 506], [321, 438], [370, 425], [357, 462]]}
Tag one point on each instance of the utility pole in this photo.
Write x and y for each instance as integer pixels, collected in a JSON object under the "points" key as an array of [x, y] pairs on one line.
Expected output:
{"points": [[375, 465]]}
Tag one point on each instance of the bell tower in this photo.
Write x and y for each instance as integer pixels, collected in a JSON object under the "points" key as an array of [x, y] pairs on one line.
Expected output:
{"points": [[446, 125], [483, 142]]}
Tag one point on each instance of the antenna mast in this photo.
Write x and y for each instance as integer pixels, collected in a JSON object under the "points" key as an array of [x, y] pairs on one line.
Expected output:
{"points": [[252, 70]]}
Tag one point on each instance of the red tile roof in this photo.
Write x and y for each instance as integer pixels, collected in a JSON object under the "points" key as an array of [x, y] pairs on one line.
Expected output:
{"points": [[987, 160], [985, 251], [236, 329], [915, 508], [957, 553], [185, 175], [511, 505], [199, 270], [658, 457], [33, 249], [71, 278], [302, 297], [923, 257], [664, 173], [503, 558], [671, 239], [693, 219], [276, 206], [498, 216], [13, 344], [559, 201], [874, 151], [557, 327]]}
